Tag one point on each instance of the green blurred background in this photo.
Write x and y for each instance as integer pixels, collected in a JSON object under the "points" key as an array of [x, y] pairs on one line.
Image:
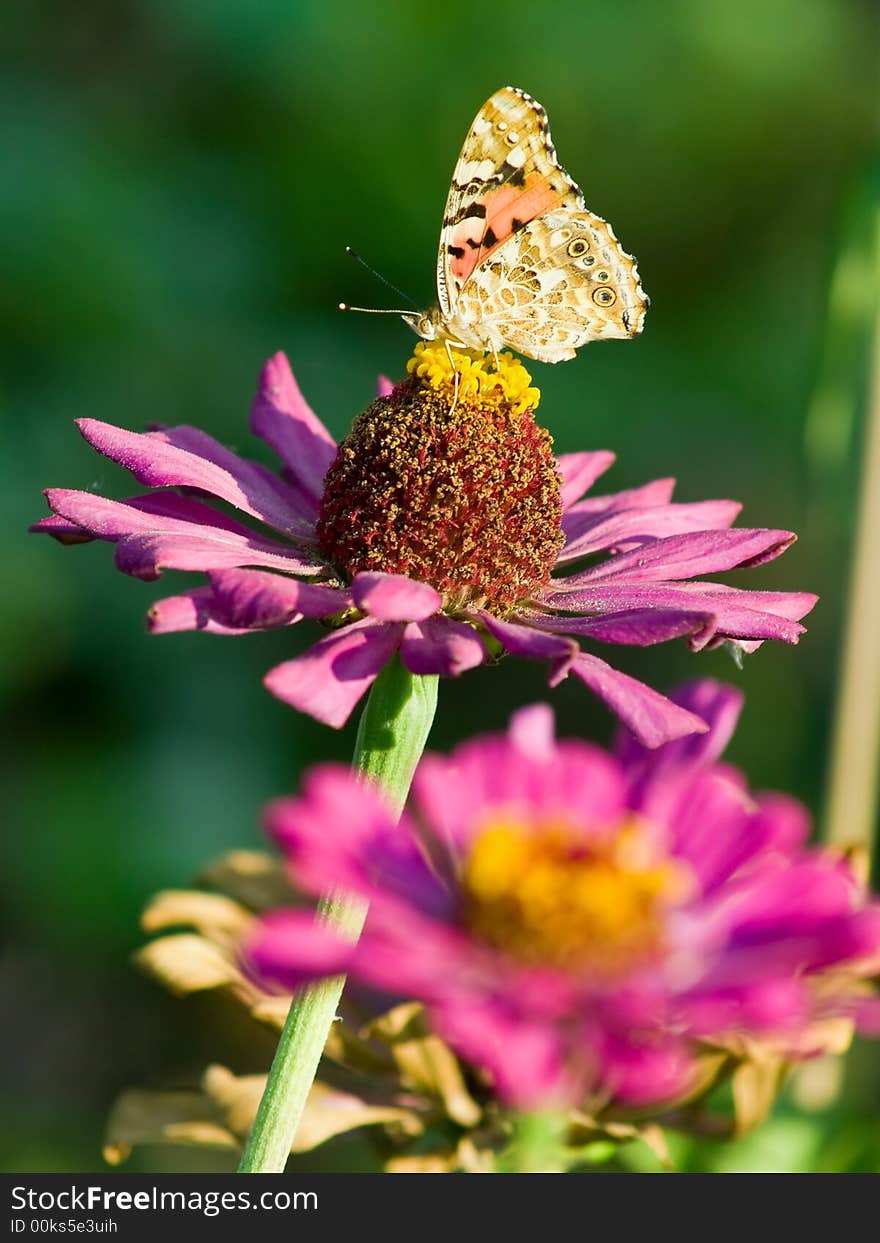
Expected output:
{"points": [[179, 179]]}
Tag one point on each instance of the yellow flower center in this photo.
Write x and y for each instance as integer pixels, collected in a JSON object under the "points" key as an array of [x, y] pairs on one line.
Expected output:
{"points": [[548, 896], [477, 375]]}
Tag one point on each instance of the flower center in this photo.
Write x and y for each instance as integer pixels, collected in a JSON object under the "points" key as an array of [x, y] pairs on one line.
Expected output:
{"points": [[549, 896], [464, 495]]}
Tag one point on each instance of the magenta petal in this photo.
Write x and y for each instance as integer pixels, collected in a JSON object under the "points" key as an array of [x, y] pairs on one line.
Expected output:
{"points": [[62, 529], [580, 471], [532, 731], [328, 680], [738, 614], [630, 528], [580, 515], [644, 1075], [651, 717], [253, 599], [394, 597], [192, 610], [522, 640], [173, 532], [684, 556], [718, 704], [524, 1056], [281, 416], [292, 947], [635, 627], [441, 645], [186, 457], [384, 386]]}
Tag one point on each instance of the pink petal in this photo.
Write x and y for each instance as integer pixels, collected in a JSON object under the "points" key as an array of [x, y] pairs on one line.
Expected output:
{"points": [[187, 457], [737, 614], [652, 718], [253, 599], [647, 1074], [533, 644], [290, 948], [340, 834], [193, 610], [685, 556], [630, 528], [394, 597], [718, 704], [532, 731], [62, 529], [441, 645], [580, 471], [282, 417], [384, 386], [173, 533], [581, 515], [524, 1056], [328, 680], [635, 627]]}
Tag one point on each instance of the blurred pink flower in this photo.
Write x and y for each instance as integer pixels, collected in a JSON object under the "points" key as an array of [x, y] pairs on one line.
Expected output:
{"points": [[477, 578], [578, 921]]}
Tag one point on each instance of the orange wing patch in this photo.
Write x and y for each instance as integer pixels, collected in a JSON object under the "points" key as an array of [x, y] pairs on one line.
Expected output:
{"points": [[504, 212]]}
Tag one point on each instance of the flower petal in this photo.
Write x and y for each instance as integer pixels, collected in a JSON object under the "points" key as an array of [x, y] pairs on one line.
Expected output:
{"points": [[291, 948], [635, 627], [623, 530], [384, 386], [684, 556], [169, 532], [62, 529], [651, 717], [580, 471], [192, 610], [441, 645], [394, 597], [532, 731], [718, 704], [328, 680], [522, 640], [281, 416], [255, 600], [580, 515], [186, 457], [738, 614], [367, 852]]}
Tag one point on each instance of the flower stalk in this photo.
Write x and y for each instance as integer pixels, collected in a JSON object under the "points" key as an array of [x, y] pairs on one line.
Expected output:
{"points": [[537, 1146], [853, 783], [391, 737]]}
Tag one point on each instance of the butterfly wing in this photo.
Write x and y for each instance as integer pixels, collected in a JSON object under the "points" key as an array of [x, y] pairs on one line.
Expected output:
{"points": [[522, 263], [560, 282], [507, 175]]}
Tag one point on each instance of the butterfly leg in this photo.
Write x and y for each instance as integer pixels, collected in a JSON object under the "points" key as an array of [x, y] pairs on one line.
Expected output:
{"points": [[455, 373]]}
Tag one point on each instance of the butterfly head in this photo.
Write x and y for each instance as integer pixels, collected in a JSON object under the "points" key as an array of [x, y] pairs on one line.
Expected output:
{"points": [[427, 324]]}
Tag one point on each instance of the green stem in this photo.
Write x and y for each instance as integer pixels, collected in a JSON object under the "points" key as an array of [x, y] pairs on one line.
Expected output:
{"points": [[537, 1146], [854, 784], [393, 731]]}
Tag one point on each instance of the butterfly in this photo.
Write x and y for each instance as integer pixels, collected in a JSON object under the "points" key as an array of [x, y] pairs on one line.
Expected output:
{"points": [[522, 263]]}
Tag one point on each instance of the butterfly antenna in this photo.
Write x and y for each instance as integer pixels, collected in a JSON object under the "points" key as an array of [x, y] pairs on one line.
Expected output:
{"points": [[349, 250], [371, 310]]}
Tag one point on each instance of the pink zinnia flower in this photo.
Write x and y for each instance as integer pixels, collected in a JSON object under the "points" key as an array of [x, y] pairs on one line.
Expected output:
{"points": [[432, 532], [578, 922]]}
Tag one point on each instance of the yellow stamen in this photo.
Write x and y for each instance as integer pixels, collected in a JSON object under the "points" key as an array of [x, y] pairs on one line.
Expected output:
{"points": [[477, 375], [547, 895]]}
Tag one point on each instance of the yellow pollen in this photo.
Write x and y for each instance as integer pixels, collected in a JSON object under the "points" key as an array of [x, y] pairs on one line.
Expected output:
{"points": [[549, 896], [477, 376]]}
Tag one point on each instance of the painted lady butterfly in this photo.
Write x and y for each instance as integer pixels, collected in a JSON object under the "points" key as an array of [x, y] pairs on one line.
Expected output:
{"points": [[522, 263]]}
